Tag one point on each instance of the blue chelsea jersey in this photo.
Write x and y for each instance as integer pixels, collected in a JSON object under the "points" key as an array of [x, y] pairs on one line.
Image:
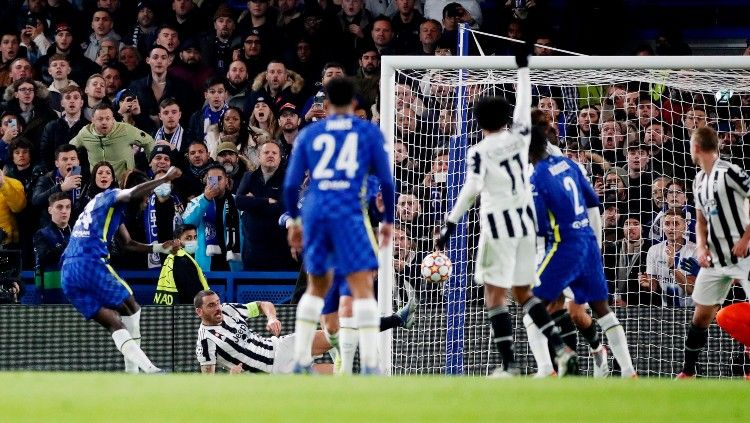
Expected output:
{"points": [[562, 197], [96, 227]]}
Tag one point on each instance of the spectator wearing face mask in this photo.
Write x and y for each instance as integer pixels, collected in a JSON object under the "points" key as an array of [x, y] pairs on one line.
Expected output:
{"points": [[163, 214], [181, 277]]}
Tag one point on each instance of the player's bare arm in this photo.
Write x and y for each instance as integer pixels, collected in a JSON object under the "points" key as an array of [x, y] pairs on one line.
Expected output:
{"points": [[129, 244], [141, 190], [269, 310], [701, 236]]}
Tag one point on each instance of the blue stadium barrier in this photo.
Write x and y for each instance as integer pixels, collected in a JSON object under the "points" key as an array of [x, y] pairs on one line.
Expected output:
{"points": [[230, 286]]}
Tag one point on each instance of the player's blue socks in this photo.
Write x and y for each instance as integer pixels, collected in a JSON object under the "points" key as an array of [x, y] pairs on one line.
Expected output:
{"points": [[348, 341], [502, 334], [133, 324], [368, 321], [132, 351], [538, 313], [618, 343], [308, 314]]}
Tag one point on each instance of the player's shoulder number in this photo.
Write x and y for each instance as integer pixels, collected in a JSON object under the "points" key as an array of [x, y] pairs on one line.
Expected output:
{"points": [[346, 159]]}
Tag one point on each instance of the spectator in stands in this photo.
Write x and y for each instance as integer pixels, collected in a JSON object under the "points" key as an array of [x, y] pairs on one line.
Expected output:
{"points": [[214, 213], [260, 17], [587, 126], [614, 188], [238, 85], [382, 36], [406, 263], [624, 262], [61, 179], [253, 54], [367, 79], [12, 201], [314, 107], [667, 157], [96, 94], [49, 244], [216, 96], [259, 196], [594, 163], [277, 84], [406, 24], [659, 191], [9, 48], [452, 13], [102, 179], [132, 64], [235, 164], [105, 139], [289, 121], [103, 29], [351, 22], [409, 215], [217, 45], [648, 110], [289, 23], [181, 278], [28, 99], [639, 179], [433, 189], [611, 142], [675, 198], [159, 161], [60, 131], [163, 215], [429, 35], [107, 54], [185, 18], [263, 117], [178, 137], [551, 107], [80, 66], [610, 223], [663, 276], [406, 172], [20, 165], [143, 32], [306, 61], [472, 12], [191, 183], [231, 128], [128, 110], [190, 71], [167, 37], [59, 69], [20, 68], [12, 126]]}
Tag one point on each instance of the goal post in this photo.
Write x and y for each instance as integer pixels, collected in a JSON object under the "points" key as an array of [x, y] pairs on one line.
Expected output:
{"points": [[451, 336]]}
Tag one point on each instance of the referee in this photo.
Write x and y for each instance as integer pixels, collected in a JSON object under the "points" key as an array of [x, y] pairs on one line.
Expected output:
{"points": [[721, 192]]}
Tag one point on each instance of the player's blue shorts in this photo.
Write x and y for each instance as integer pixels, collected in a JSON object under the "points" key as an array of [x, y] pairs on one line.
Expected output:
{"points": [[91, 284], [577, 265], [345, 244], [339, 288]]}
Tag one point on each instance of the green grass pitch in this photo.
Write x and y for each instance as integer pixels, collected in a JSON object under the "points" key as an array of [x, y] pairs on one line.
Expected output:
{"points": [[100, 397]]}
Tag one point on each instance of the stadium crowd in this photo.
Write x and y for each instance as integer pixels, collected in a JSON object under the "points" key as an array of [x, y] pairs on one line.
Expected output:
{"points": [[108, 93]]}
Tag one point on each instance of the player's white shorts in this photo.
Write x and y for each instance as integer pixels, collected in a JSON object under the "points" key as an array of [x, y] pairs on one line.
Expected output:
{"points": [[283, 360], [713, 283], [506, 262]]}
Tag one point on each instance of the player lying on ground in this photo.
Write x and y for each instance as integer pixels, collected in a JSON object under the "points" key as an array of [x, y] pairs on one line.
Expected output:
{"points": [[93, 286], [722, 236], [339, 151], [497, 168], [567, 210], [225, 339]]}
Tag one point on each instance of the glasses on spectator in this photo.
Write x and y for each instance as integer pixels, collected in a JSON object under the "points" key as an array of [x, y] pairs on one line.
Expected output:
{"points": [[26, 90], [212, 92]]}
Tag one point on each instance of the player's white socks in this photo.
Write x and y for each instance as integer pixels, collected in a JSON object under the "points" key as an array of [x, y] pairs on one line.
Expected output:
{"points": [[348, 340], [132, 351], [368, 322], [538, 346], [308, 314], [133, 324], [618, 343]]}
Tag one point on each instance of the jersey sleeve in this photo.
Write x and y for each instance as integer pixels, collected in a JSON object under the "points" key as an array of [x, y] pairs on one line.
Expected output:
{"points": [[246, 311], [738, 180], [472, 186], [522, 111], [205, 351], [295, 174], [540, 206], [382, 169]]}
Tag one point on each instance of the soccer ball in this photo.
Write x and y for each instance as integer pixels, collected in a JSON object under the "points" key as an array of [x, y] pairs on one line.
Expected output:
{"points": [[436, 267]]}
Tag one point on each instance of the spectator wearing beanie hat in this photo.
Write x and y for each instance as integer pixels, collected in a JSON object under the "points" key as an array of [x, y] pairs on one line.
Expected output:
{"points": [[217, 45]]}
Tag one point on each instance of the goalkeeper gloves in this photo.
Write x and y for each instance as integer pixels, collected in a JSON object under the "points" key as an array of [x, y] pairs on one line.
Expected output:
{"points": [[523, 52], [445, 233], [690, 266]]}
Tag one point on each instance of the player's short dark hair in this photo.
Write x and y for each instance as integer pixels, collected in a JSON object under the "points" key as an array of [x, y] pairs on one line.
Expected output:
{"points": [[65, 148], [198, 300], [492, 113], [706, 139], [57, 197], [340, 91], [181, 229]]}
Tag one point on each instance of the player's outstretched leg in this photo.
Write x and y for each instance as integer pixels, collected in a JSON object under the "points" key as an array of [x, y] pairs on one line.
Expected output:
{"points": [[308, 313], [125, 343], [735, 320]]}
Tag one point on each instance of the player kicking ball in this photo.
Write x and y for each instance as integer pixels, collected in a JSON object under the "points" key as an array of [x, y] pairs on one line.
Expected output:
{"points": [[339, 151], [93, 286], [567, 210], [497, 168]]}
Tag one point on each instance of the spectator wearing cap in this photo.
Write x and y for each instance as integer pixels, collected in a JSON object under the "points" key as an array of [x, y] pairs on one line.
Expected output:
{"points": [[216, 96], [259, 197], [639, 178], [235, 164], [263, 118], [163, 213], [277, 84], [80, 66], [143, 33], [158, 85], [28, 98], [171, 132], [106, 139], [406, 22], [352, 22], [160, 160], [185, 17], [289, 121], [367, 78], [238, 86], [61, 130], [217, 45], [60, 179], [253, 54], [189, 69], [102, 27]]}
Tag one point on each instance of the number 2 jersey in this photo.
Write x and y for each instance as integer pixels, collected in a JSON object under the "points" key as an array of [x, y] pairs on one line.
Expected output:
{"points": [[96, 227]]}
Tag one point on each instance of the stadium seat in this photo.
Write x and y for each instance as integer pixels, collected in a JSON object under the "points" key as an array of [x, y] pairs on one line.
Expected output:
{"points": [[277, 294]]}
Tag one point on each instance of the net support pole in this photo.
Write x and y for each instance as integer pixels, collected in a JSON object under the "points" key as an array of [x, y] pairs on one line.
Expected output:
{"points": [[455, 288], [385, 255]]}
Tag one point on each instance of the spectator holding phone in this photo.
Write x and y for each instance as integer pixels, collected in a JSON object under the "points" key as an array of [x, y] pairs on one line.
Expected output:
{"points": [[11, 125], [65, 178]]}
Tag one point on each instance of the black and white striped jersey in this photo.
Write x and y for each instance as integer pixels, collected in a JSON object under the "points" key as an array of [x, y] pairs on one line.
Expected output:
{"points": [[722, 197], [498, 168], [233, 342]]}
